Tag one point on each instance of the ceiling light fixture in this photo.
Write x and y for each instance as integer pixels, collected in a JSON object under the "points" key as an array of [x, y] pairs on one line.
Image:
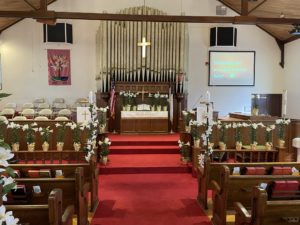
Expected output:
{"points": [[295, 30]]}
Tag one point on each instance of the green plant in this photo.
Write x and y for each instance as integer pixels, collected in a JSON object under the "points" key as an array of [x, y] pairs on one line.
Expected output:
{"points": [[184, 149], [45, 133], [281, 124], [104, 145], [15, 135], [187, 116], [223, 127], [102, 116], [61, 128], [195, 129], [76, 131], [30, 130]]}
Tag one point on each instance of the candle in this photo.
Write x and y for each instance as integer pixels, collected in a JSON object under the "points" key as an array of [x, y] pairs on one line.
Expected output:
{"points": [[284, 108], [91, 97], [208, 96]]}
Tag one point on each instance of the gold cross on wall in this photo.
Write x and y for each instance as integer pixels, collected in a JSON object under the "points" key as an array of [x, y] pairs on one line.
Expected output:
{"points": [[84, 114], [144, 45], [143, 92]]}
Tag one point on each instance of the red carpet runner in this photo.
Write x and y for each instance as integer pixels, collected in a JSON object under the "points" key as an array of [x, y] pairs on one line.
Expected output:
{"points": [[148, 199], [145, 184]]}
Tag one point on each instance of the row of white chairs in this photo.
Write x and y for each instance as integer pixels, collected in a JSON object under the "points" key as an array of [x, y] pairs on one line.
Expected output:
{"points": [[38, 118], [58, 103], [32, 113]]}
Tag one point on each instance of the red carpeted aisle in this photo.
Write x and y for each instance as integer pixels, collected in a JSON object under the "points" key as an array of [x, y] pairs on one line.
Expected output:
{"points": [[148, 199], [145, 183]]}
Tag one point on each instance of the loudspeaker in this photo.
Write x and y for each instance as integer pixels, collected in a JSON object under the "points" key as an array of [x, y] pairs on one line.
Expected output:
{"points": [[223, 36], [60, 32]]}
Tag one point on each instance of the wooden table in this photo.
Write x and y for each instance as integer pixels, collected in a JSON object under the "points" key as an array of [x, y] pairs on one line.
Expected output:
{"points": [[144, 122]]}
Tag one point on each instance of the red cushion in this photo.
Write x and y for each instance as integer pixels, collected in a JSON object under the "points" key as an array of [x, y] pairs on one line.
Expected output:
{"points": [[278, 170], [260, 170], [250, 171], [255, 171], [231, 160], [285, 188], [33, 173]]}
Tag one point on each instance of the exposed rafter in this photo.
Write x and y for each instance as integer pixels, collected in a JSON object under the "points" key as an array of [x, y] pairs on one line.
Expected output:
{"points": [[31, 5], [257, 6], [244, 7], [251, 20]]}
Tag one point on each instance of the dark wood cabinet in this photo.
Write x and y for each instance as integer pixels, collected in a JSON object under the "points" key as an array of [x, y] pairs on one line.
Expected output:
{"points": [[267, 104]]}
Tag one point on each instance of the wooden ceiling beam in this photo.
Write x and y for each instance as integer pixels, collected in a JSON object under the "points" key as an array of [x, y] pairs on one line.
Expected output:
{"points": [[43, 5], [31, 5], [244, 7], [251, 20], [257, 6]]}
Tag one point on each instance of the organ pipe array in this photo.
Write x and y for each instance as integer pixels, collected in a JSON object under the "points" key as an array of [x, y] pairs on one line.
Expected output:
{"points": [[119, 58]]}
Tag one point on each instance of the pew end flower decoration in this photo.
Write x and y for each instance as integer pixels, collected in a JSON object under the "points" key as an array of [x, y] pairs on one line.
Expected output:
{"points": [[185, 151]]}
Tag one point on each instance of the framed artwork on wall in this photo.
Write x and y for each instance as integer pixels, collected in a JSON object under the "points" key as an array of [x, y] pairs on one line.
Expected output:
{"points": [[59, 67]]}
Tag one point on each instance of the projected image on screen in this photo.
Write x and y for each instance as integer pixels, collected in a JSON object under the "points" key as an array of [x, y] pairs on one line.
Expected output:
{"points": [[231, 68]]}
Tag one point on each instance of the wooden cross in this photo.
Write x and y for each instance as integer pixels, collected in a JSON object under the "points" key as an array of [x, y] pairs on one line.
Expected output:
{"points": [[84, 114], [144, 44], [143, 92]]}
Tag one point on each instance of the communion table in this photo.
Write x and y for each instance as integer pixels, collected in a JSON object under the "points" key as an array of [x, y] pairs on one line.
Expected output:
{"points": [[144, 122]]}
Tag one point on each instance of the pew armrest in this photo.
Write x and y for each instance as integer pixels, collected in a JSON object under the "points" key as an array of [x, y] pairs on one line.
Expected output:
{"points": [[67, 217], [215, 186], [242, 215]]}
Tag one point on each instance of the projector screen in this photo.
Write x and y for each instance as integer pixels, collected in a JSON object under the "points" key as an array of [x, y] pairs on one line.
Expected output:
{"points": [[231, 68]]}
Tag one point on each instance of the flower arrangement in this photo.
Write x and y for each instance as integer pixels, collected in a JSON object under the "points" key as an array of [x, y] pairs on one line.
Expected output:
{"points": [[15, 135], [269, 130], [188, 116], [223, 127], [184, 150], [45, 133], [281, 124], [253, 128], [92, 127], [102, 116], [61, 129], [164, 99], [195, 131], [128, 97], [30, 132], [76, 130], [104, 147]]}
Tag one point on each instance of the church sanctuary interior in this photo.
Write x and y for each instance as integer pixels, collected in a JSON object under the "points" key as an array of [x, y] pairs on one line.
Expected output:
{"points": [[149, 112]]}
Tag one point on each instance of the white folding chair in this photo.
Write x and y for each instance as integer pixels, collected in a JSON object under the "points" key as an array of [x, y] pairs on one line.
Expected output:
{"points": [[28, 113], [43, 106], [65, 112], [41, 118], [61, 118], [9, 113], [19, 118], [10, 105], [28, 105], [46, 112]]}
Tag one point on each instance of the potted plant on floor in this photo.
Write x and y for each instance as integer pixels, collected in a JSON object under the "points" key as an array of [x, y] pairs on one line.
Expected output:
{"points": [[185, 151], [195, 132], [104, 150]]}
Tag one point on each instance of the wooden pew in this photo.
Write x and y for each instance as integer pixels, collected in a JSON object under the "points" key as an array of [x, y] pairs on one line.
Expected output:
{"points": [[74, 189], [264, 212], [48, 214], [211, 171], [90, 174], [237, 188]]}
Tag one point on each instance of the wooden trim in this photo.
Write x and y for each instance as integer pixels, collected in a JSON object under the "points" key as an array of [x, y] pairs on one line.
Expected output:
{"points": [[31, 5], [293, 38], [43, 5], [257, 6], [282, 50], [149, 18], [244, 8]]}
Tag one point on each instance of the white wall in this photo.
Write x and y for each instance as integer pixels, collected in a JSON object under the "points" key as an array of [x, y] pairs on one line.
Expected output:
{"points": [[292, 78], [24, 58]]}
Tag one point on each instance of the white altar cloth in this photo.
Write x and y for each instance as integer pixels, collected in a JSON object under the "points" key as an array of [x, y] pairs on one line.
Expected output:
{"points": [[144, 114]]}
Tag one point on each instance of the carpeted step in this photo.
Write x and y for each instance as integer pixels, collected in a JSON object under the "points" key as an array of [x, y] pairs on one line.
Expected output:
{"points": [[144, 163], [147, 149]]}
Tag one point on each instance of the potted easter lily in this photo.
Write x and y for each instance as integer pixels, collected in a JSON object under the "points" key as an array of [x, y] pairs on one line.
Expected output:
{"points": [[195, 132], [104, 151], [185, 151], [15, 135], [60, 135], [102, 119], [76, 130], [30, 130], [269, 134], [45, 134], [223, 127], [281, 124]]}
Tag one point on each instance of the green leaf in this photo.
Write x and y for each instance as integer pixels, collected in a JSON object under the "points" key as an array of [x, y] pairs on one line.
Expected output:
{"points": [[7, 188], [10, 171], [4, 145], [3, 95]]}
